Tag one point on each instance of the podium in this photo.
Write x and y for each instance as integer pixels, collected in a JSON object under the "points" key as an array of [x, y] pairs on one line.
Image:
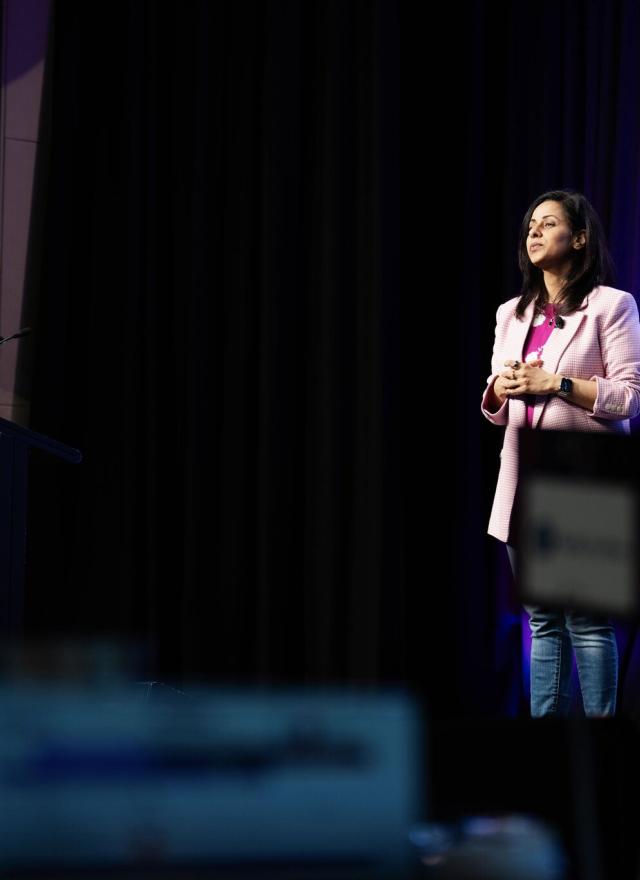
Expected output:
{"points": [[15, 445]]}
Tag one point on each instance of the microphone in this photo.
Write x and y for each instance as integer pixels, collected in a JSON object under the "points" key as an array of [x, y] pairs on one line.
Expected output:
{"points": [[559, 322], [22, 332]]}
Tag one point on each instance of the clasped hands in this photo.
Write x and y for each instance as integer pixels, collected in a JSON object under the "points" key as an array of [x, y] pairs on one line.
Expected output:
{"points": [[525, 378]]}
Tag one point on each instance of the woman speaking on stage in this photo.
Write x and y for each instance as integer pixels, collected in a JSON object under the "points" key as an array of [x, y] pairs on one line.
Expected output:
{"points": [[566, 357]]}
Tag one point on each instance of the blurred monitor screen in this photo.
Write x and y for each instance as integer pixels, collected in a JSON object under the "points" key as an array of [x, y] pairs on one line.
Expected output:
{"points": [[576, 521], [110, 780], [578, 542]]}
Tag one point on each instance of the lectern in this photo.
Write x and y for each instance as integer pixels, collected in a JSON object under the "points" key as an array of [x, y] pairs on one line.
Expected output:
{"points": [[15, 445]]}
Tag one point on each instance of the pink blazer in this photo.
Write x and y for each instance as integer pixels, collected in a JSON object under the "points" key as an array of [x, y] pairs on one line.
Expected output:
{"points": [[601, 342]]}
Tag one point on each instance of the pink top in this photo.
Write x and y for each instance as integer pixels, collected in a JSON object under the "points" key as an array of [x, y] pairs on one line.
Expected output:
{"points": [[540, 330]]}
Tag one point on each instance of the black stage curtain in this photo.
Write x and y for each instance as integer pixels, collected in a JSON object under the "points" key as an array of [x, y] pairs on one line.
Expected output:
{"points": [[217, 327]]}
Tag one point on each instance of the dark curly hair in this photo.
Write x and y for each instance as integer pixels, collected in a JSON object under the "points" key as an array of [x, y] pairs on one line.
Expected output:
{"points": [[590, 266]]}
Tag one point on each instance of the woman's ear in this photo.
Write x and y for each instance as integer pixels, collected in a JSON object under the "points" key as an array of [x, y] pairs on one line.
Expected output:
{"points": [[581, 238]]}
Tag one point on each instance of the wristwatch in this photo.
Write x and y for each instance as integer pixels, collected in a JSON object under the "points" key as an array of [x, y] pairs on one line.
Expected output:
{"points": [[566, 386]]}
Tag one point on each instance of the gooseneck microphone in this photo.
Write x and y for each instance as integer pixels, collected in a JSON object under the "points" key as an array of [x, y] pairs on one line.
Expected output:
{"points": [[22, 332]]}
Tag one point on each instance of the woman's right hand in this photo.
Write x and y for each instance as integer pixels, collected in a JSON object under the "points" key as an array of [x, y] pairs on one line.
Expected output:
{"points": [[500, 387]]}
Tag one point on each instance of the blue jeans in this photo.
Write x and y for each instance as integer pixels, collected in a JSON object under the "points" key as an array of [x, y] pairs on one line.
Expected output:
{"points": [[554, 633]]}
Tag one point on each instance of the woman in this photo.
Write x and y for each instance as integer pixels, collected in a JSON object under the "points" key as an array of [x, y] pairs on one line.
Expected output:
{"points": [[566, 356]]}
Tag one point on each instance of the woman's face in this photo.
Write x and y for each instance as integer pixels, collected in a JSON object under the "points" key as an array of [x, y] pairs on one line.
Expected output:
{"points": [[549, 242]]}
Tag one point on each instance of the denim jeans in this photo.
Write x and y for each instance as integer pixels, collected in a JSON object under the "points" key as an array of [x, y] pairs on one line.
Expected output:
{"points": [[554, 633]]}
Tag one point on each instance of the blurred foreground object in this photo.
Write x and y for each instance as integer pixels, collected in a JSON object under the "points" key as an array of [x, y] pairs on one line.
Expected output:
{"points": [[256, 780], [577, 521], [512, 847]]}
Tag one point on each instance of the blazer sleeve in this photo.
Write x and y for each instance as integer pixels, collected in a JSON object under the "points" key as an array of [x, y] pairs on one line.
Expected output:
{"points": [[500, 416], [618, 392]]}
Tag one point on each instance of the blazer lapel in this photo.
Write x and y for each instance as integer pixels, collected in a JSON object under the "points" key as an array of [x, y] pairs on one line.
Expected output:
{"points": [[515, 345]]}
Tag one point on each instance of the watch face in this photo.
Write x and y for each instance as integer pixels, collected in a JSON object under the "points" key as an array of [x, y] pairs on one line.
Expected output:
{"points": [[566, 386]]}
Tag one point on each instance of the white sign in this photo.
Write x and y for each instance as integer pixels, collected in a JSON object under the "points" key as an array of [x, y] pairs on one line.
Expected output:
{"points": [[579, 544]]}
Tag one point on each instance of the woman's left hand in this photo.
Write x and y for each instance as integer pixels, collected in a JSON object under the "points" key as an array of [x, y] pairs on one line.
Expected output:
{"points": [[530, 378]]}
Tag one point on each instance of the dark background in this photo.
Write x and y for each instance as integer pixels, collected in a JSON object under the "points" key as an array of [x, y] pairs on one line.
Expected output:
{"points": [[270, 246], [219, 333]]}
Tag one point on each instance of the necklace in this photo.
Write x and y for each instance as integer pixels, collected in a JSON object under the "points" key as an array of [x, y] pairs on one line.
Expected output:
{"points": [[546, 313]]}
